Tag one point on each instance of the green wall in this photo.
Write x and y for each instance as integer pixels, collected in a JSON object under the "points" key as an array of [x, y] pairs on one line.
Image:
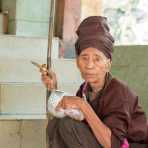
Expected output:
{"points": [[130, 63]]}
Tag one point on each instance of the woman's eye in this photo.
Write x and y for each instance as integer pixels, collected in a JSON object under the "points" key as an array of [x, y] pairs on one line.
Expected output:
{"points": [[84, 58], [97, 59]]}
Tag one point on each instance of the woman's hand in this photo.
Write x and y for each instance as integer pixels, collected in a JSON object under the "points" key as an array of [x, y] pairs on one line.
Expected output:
{"points": [[73, 107], [73, 102], [48, 78]]}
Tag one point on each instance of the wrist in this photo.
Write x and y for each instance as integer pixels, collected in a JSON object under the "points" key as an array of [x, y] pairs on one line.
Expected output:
{"points": [[55, 98]]}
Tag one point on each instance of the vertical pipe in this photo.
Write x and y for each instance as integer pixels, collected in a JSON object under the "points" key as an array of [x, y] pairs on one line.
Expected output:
{"points": [[51, 31], [50, 37], [0, 99]]}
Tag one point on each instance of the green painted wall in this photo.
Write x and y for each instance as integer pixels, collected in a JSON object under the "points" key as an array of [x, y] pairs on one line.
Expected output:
{"points": [[130, 63]]}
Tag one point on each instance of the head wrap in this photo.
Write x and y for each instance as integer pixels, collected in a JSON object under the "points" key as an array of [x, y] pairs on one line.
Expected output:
{"points": [[94, 32]]}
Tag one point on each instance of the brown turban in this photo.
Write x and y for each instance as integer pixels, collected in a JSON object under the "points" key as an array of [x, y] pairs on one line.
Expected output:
{"points": [[94, 32]]}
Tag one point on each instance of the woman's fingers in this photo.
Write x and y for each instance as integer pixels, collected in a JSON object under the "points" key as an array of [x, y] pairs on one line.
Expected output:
{"points": [[71, 102], [49, 79]]}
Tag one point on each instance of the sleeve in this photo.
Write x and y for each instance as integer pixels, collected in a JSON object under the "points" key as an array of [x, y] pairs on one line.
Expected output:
{"points": [[138, 131], [54, 98], [117, 118]]}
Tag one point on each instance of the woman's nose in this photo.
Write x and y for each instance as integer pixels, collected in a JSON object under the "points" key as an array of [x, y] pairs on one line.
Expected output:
{"points": [[90, 63]]}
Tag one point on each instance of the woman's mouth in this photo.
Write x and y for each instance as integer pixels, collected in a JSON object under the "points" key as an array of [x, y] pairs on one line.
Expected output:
{"points": [[88, 75]]}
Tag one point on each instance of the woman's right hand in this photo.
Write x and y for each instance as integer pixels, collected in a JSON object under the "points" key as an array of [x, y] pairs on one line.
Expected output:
{"points": [[49, 79]]}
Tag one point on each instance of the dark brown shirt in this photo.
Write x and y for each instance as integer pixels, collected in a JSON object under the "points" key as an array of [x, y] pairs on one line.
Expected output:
{"points": [[118, 107]]}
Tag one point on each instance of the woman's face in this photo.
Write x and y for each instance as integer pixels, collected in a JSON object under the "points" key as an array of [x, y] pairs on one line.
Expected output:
{"points": [[93, 65]]}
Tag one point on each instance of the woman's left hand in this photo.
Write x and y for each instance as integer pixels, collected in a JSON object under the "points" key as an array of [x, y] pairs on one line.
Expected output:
{"points": [[71, 102]]}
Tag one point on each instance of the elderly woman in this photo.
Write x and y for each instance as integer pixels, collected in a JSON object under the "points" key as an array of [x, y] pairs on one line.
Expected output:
{"points": [[112, 114]]}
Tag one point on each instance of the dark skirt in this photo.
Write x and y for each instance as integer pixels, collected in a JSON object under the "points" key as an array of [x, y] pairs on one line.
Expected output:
{"points": [[69, 133]]}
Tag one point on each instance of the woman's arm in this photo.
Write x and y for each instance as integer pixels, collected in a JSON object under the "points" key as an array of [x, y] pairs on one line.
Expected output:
{"points": [[100, 130]]}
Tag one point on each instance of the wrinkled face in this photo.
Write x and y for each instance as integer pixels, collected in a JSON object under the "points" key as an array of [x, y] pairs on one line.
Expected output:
{"points": [[93, 65]]}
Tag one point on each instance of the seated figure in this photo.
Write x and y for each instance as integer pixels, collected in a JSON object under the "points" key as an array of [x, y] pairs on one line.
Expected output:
{"points": [[111, 116]]}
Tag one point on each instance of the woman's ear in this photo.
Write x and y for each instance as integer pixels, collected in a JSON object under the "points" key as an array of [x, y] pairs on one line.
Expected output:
{"points": [[77, 62], [108, 65]]}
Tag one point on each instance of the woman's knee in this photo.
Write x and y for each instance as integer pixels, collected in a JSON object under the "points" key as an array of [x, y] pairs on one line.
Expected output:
{"points": [[66, 124]]}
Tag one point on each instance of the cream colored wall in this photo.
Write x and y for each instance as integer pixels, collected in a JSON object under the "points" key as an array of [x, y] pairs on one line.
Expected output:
{"points": [[22, 96], [22, 134], [89, 8]]}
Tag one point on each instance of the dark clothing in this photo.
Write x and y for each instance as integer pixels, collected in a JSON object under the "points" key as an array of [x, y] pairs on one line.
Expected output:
{"points": [[69, 133], [117, 106]]}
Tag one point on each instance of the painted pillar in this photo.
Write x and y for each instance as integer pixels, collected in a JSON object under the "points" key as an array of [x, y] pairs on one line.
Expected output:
{"points": [[74, 12], [27, 17]]}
